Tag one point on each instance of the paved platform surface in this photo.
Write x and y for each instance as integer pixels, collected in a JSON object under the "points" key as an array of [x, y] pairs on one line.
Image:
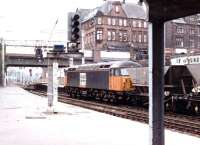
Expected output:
{"points": [[23, 121]]}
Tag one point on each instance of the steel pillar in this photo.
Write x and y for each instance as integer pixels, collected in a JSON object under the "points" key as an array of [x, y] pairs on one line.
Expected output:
{"points": [[2, 63], [52, 89], [156, 82]]}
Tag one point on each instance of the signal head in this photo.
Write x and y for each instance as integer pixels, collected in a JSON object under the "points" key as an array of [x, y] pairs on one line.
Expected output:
{"points": [[76, 17], [75, 28]]}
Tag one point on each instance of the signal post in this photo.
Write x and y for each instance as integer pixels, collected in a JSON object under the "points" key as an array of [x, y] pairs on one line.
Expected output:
{"points": [[2, 64], [74, 34], [58, 52]]}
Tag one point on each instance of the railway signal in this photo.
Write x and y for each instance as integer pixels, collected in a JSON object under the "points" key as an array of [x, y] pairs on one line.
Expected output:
{"points": [[75, 30], [39, 54]]}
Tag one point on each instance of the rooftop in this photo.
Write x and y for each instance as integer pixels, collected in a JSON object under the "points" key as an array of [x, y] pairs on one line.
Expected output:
{"points": [[104, 9]]}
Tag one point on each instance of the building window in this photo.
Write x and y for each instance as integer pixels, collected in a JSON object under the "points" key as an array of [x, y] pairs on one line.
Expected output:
{"points": [[145, 24], [134, 23], [179, 42], [134, 37], [117, 9], [99, 34], [125, 22], [120, 22], [120, 36], [99, 20], [109, 35], [109, 21], [179, 29], [125, 38], [192, 31], [142, 24], [140, 38], [113, 35], [113, 21], [191, 43], [139, 24], [145, 38]]}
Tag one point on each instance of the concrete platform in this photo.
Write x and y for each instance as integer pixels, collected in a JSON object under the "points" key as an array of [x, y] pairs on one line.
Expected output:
{"points": [[23, 122]]}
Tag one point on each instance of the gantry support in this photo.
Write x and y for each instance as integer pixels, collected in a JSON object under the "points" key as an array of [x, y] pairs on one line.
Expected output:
{"points": [[158, 12], [156, 82], [52, 88], [2, 63]]}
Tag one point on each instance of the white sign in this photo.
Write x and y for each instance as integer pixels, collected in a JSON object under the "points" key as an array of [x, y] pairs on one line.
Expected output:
{"points": [[83, 79], [186, 60]]}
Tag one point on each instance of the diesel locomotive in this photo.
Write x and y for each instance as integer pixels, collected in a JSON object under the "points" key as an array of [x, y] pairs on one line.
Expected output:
{"points": [[126, 82]]}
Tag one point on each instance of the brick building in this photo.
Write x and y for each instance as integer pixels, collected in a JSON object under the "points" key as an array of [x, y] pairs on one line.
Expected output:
{"points": [[183, 34], [118, 26], [114, 27]]}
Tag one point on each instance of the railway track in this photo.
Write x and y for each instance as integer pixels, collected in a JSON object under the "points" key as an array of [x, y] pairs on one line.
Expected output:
{"points": [[181, 123]]}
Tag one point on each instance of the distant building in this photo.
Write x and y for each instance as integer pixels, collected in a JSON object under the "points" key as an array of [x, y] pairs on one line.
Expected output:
{"points": [[183, 36], [121, 28], [118, 27]]}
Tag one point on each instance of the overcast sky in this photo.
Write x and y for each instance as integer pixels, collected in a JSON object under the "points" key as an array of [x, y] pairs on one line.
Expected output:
{"points": [[34, 19]]}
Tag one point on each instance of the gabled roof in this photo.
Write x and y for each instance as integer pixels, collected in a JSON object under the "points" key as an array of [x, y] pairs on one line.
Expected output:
{"points": [[131, 10], [134, 11], [83, 13]]}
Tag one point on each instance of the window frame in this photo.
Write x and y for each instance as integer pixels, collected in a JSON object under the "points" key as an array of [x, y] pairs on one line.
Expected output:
{"points": [[99, 20], [99, 34]]}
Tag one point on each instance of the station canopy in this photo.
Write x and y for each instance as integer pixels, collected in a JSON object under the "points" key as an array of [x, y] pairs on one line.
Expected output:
{"points": [[165, 10]]}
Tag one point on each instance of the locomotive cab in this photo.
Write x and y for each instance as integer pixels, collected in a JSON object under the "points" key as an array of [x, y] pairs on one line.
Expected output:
{"points": [[120, 80]]}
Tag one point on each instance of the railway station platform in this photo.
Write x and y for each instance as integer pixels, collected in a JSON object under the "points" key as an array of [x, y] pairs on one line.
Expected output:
{"points": [[24, 121]]}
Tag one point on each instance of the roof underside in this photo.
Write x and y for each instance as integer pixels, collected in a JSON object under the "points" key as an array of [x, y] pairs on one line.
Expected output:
{"points": [[165, 10]]}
